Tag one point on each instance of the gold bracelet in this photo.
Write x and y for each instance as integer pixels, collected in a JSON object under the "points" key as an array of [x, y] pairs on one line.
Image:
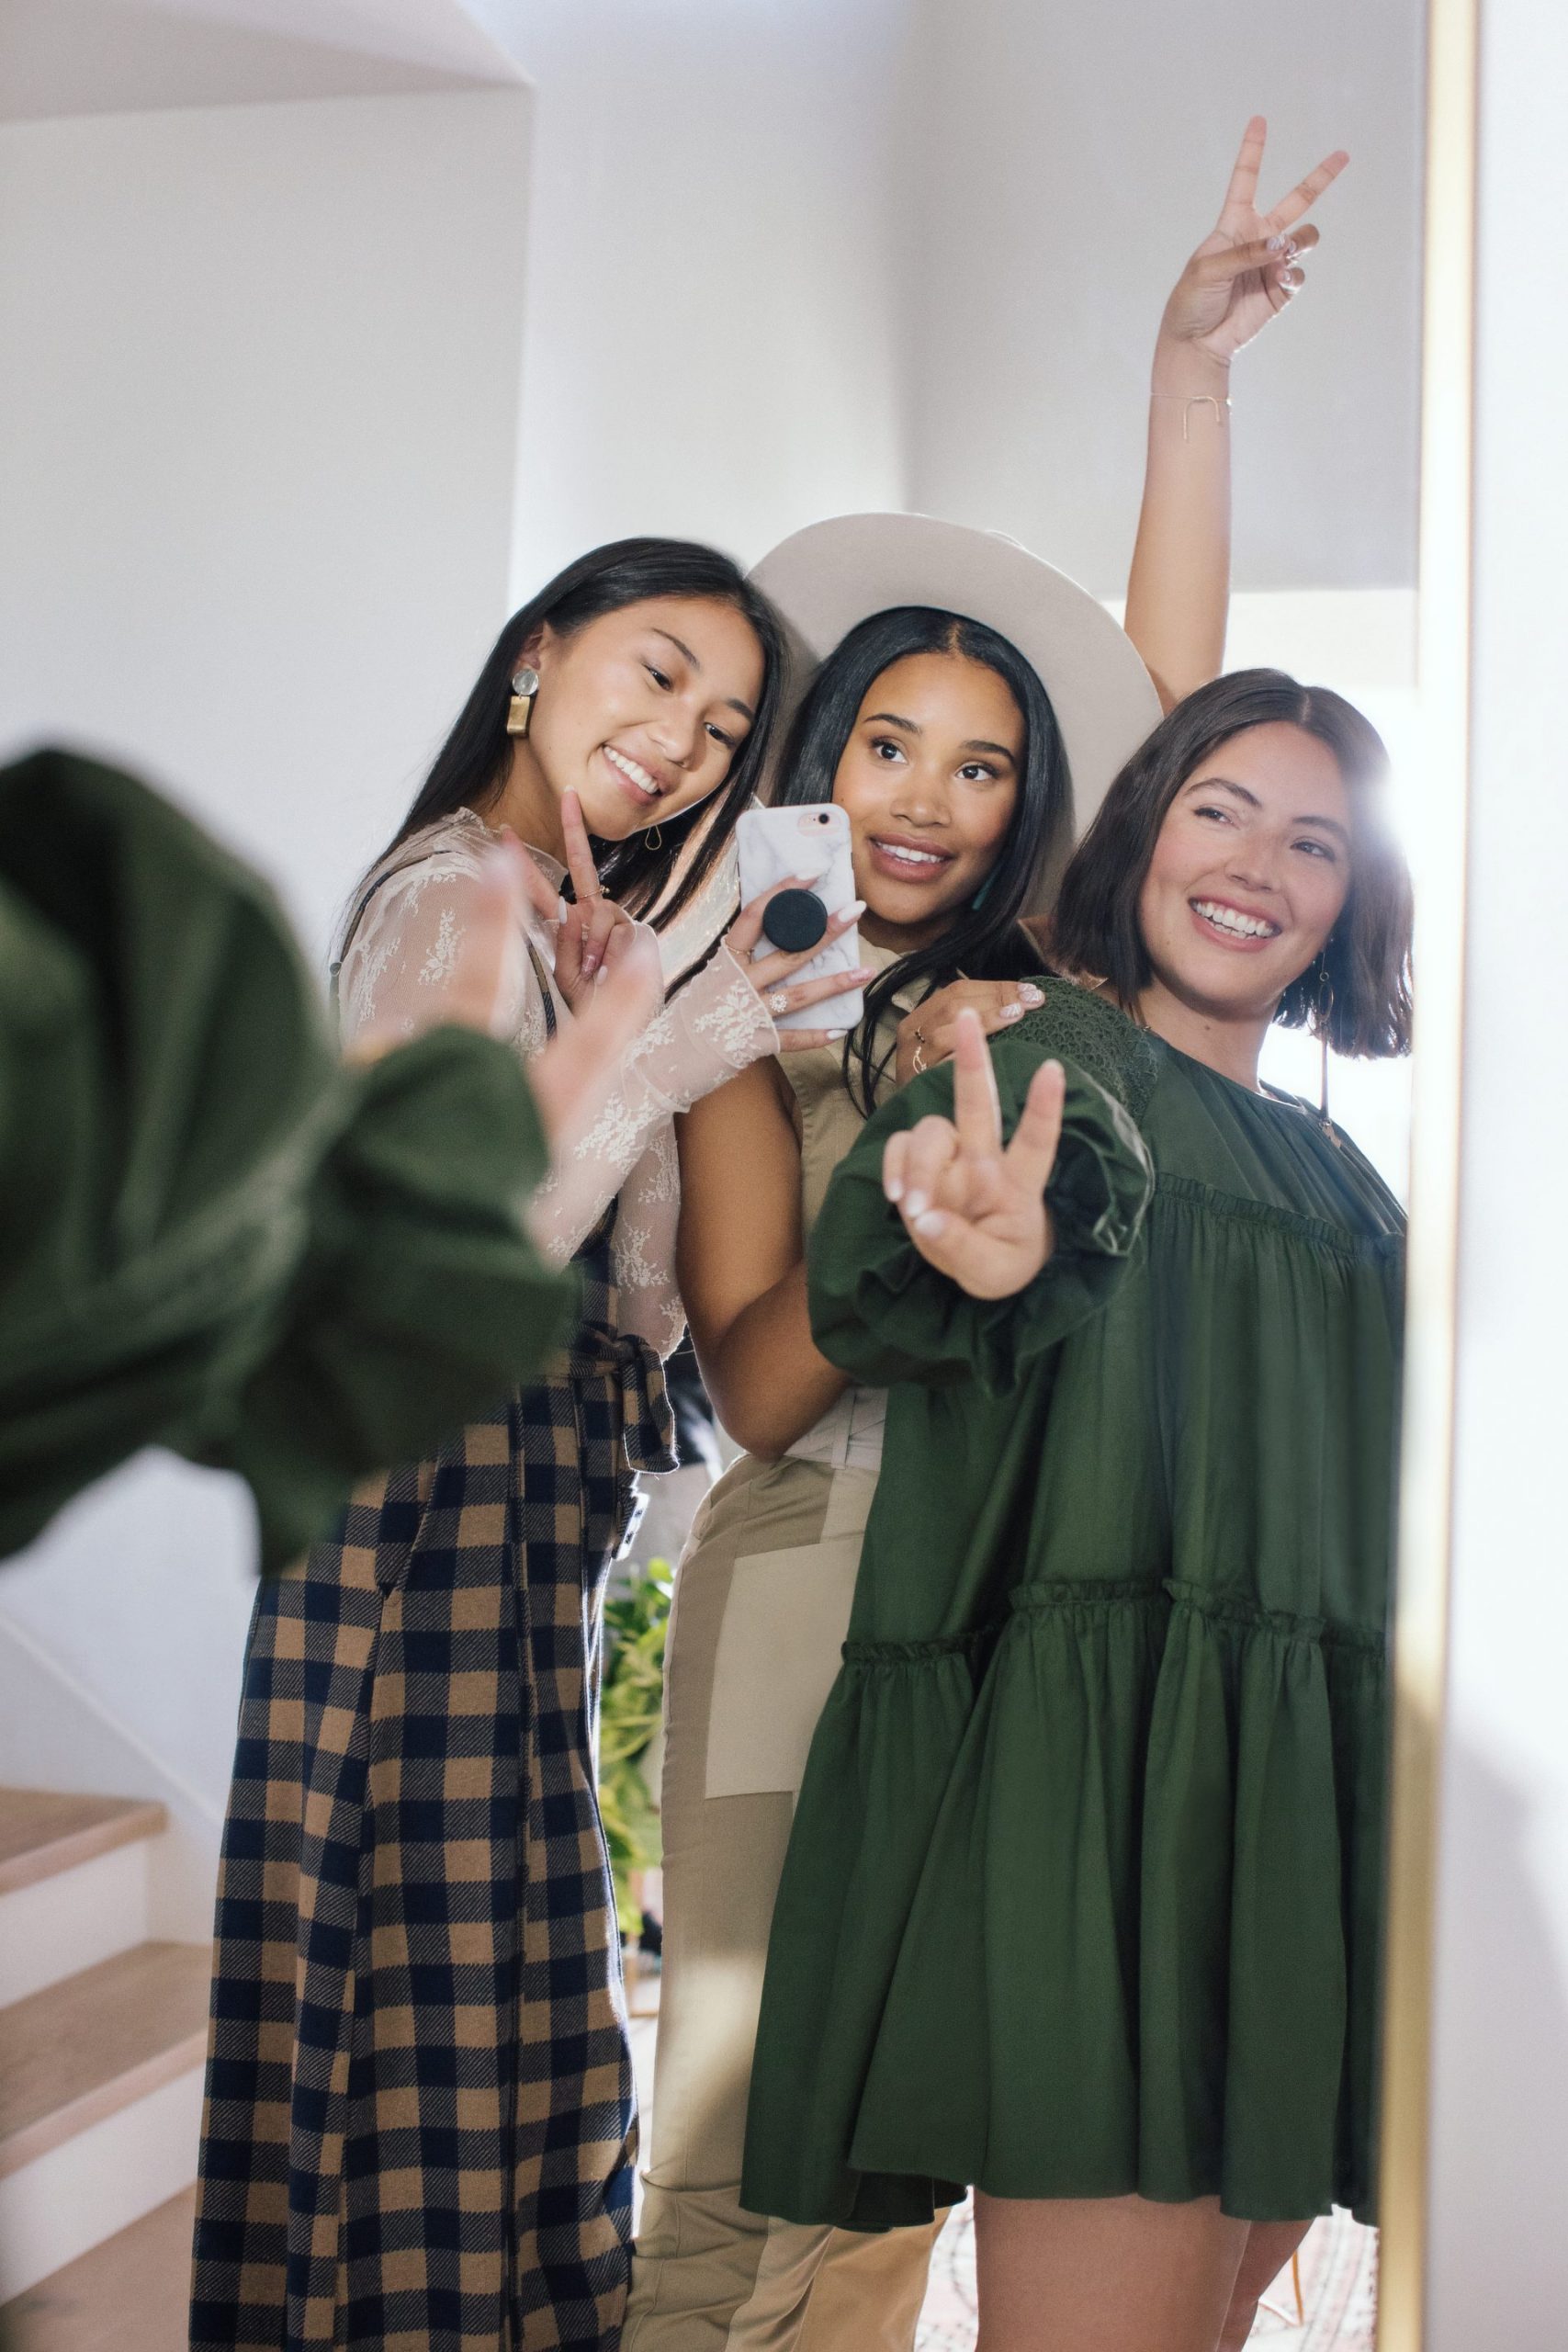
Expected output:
{"points": [[1197, 399]]}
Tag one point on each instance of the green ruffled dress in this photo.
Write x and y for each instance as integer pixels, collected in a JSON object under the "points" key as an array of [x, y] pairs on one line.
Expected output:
{"points": [[1084, 1895]]}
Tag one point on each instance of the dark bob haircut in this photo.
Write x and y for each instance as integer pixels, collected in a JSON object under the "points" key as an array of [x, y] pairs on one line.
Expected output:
{"points": [[471, 765], [1356, 992], [986, 941]]}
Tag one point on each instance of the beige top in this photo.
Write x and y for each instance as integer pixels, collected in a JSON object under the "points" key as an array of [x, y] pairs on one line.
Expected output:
{"points": [[830, 1119], [849, 1434], [405, 945]]}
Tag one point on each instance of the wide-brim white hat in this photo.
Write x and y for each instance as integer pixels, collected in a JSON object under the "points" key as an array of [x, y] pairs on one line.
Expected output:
{"points": [[831, 576]]}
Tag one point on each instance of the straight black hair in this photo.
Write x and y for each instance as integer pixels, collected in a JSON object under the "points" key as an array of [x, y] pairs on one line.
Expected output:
{"points": [[985, 940], [471, 764], [1356, 993]]}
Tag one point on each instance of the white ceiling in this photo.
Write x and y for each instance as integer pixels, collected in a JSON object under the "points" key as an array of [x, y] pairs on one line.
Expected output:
{"points": [[73, 57]]}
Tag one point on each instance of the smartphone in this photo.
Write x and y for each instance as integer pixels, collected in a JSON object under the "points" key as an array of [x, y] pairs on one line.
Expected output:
{"points": [[809, 840]]}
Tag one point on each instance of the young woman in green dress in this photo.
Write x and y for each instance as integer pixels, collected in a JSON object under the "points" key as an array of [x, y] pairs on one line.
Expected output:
{"points": [[1082, 1900]]}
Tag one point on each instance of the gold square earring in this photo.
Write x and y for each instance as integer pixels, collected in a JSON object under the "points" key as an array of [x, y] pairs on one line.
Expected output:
{"points": [[525, 687]]}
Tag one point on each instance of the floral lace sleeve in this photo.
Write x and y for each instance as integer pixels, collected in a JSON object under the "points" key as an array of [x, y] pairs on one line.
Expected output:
{"points": [[709, 1029], [401, 956]]}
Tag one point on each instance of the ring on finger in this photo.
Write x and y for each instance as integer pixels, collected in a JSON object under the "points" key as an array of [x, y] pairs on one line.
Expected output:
{"points": [[778, 1003]]}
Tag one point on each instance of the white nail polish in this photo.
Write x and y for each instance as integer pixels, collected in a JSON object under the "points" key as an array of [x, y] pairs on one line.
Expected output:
{"points": [[836, 1033], [1012, 1012], [930, 1224], [855, 908], [916, 1203], [894, 1190]]}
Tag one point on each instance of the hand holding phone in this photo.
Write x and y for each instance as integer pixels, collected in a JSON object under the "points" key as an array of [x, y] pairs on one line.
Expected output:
{"points": [[808, 846]]}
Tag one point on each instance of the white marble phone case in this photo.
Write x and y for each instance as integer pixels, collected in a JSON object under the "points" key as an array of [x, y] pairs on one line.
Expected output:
{"points": [[811, 841]]}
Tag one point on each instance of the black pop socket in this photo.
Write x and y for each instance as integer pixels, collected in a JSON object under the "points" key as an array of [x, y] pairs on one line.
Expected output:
{"points": [[795, 919]]}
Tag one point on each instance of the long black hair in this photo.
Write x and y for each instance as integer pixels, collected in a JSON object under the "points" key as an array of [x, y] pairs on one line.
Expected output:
{"points": [[1356, 992], [985, 940], [471, 765]]}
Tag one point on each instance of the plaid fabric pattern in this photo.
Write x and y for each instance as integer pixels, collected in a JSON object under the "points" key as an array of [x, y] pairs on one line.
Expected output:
{"points": [[420, 2124]]}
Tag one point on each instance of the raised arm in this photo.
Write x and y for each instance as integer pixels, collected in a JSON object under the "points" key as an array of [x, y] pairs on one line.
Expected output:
{"points": [[1238, 279], [740, 1265]]}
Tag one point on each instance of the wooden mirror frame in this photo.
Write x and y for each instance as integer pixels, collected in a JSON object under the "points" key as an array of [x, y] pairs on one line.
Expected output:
{"points": [[1421, 1604]]}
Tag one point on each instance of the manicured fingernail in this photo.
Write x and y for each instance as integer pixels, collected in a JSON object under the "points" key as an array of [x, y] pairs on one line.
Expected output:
{"points": [[916, 1202], [601, 976], [930, 1224], [854, 912], [1012, 1012], [1278, 244], [893, 1188], [562, 910], [836, 1033], [1030, 994]]}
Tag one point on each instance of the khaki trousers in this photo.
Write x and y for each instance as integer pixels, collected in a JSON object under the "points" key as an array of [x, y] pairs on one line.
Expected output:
{"points": [[761, 1602]]}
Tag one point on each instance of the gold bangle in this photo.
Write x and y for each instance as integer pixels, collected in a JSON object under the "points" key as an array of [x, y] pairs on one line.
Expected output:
{"points": [[1197, 399]]}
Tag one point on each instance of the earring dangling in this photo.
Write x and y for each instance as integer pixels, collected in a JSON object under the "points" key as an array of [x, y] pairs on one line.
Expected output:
{"points": [[653, 838], [525, 687], [1322, 1022]]}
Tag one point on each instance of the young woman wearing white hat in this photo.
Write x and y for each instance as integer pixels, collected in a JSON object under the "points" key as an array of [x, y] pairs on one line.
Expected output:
{"points": [[970, 712]]}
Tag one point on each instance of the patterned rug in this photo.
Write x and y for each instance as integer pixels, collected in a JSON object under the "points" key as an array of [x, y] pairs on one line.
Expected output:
{"points": [[1338, 2290]]}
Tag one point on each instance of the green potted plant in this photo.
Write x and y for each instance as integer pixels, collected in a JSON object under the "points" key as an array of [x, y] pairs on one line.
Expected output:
{"points": [[631, 1700]]}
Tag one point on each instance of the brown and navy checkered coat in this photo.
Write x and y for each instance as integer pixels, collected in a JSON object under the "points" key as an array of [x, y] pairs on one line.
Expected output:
{"points": [[420, 2127]]}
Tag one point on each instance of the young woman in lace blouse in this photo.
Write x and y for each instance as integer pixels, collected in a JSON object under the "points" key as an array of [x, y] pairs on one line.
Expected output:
{"points": [[419, 2097]]}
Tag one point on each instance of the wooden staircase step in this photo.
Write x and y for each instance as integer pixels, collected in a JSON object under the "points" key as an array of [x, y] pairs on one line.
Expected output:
{"points": [[83, 2048], [129, 2294], [42, 1833]]}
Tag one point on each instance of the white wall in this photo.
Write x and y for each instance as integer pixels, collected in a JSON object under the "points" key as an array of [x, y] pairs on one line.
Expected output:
{"points": [[711, 347], [1059, 166], [1499, 2253], [257, 432], [257, 435]]}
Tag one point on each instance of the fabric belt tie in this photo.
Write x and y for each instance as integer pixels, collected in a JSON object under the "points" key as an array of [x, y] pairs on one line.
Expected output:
{"points": [[625, 1360]]}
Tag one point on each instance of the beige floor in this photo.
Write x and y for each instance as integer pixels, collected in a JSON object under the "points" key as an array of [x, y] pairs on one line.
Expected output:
{"points": [[130, 2294]]}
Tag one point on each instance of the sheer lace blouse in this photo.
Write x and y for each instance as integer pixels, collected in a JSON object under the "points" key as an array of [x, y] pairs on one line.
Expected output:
{"points": [[404, 946]]}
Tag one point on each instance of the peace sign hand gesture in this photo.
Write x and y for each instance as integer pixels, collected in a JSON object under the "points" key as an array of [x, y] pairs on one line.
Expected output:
{"points": [[974, 1210], [595, 932], [1247, 272]]}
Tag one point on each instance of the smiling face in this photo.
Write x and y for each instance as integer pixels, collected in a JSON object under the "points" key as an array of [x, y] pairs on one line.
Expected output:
{"points": [[641, 712], [1249, 873], [930, 778]]}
